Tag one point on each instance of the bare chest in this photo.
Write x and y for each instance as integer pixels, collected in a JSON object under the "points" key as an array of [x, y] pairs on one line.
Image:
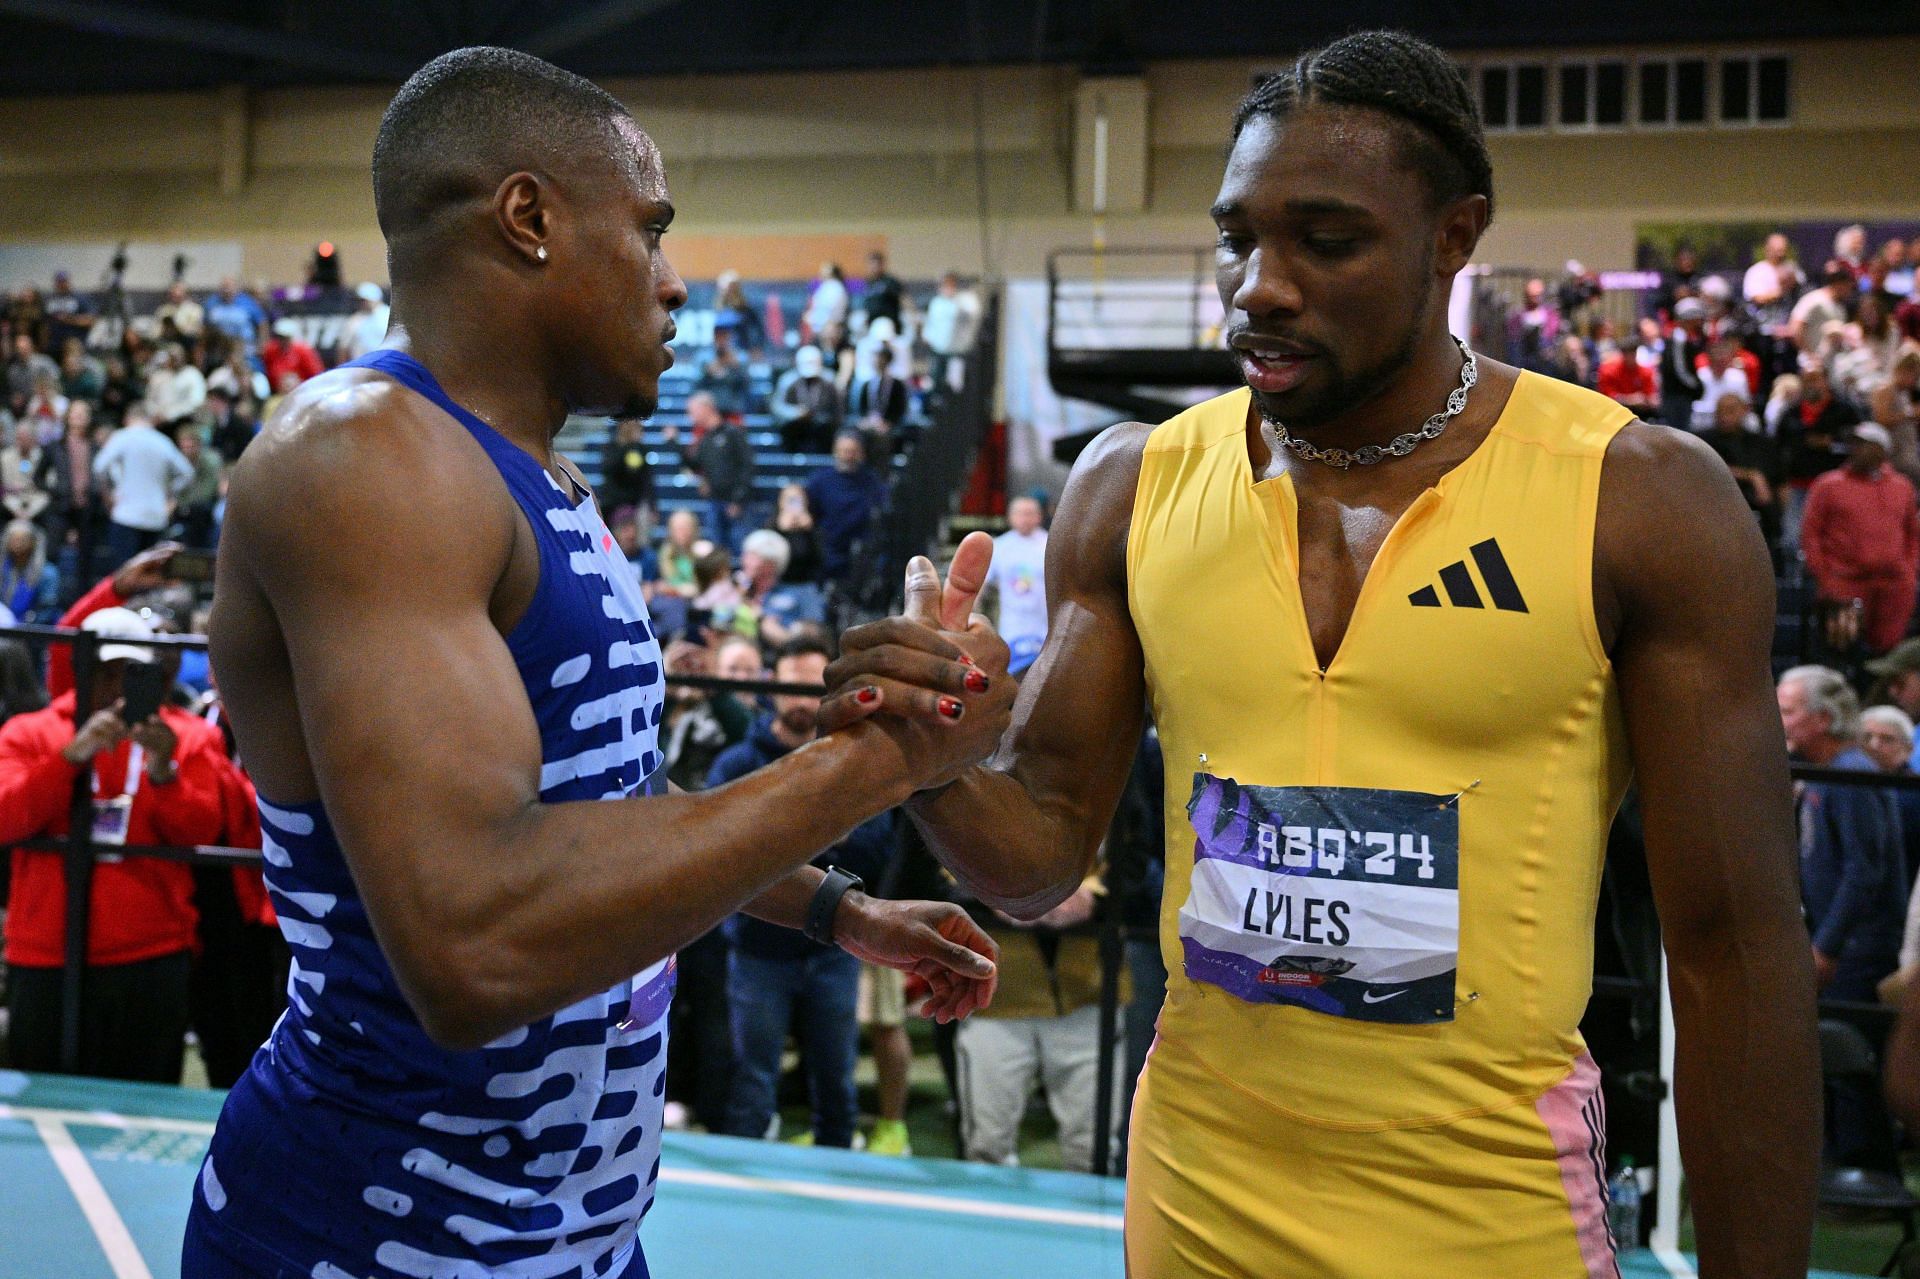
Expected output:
{"points": [[1338, 539]]}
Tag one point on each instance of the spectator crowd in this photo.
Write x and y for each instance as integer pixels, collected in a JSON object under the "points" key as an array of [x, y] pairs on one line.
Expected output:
{"points": [[742, 508], [1802, 379]]}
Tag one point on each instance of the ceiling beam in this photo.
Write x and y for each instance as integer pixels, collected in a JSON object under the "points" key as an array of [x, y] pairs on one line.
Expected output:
{"points": [[133, 22], [591, 23]]}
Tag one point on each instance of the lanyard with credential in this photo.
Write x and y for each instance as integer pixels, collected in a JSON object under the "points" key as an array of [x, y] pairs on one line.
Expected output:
{"points": [[110, 815]]}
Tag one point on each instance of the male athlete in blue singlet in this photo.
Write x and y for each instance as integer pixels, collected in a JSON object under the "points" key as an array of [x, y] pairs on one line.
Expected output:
{"points": [[439, 668]]}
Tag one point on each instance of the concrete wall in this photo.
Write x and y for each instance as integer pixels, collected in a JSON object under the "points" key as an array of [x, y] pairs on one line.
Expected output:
{"points": [[770, 172]]}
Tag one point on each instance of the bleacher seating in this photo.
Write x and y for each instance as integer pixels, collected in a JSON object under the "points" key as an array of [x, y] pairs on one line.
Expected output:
{"points": [[584, 439]]}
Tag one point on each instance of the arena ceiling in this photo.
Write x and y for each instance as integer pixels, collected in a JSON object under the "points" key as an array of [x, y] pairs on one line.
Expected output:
{"points": [[104, 46]]}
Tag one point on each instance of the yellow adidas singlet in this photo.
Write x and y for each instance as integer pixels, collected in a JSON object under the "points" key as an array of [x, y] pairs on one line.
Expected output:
{"points": [[1381, 878]]}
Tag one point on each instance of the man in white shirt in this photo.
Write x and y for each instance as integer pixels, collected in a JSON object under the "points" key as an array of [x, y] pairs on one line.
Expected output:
{"points": [[1721, 376], [366, 329], [146, 472], [1776, 277], [1019, 574], [175, 387], [953, 316], [1823, 306]]}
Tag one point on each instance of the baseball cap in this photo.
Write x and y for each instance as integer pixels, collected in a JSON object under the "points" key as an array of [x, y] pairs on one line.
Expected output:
{"points": [[1874, 433], [287, 327], [1901, 659], [120, 623], [1689, 309], [370, 292]]}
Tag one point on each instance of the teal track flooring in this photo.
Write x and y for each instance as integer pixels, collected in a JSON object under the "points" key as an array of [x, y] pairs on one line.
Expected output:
{"points": [[95, 1179]]}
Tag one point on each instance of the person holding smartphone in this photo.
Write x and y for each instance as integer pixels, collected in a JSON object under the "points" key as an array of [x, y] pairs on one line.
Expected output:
{"points": [[158, 776]]}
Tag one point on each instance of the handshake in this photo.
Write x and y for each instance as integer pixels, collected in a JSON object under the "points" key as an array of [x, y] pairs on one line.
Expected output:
{"points": [[929, 689]]}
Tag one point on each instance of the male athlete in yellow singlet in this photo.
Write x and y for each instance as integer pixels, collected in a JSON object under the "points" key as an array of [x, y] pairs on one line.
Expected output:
{"points": [[1400, 697]]}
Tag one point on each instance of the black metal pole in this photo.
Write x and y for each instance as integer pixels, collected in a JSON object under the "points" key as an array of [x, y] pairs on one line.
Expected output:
{"points": [[1110, 953], [79, 861]]}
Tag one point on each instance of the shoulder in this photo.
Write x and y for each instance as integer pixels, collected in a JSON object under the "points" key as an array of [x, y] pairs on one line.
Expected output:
{"points": [[1653, 469], [1090, 529], [1673, 533], [356, 454]]}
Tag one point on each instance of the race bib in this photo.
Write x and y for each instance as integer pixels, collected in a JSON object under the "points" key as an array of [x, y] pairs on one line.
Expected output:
{"points": [[1339, 899]]}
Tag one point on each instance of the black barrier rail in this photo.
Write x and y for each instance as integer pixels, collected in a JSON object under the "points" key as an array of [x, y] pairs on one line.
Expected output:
{"points": [[80, 854]]}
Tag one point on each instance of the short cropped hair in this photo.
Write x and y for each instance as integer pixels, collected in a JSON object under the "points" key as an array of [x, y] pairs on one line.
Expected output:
{"points": [[801, 646], [1827, 693], [469, 118], [1401, 76]]}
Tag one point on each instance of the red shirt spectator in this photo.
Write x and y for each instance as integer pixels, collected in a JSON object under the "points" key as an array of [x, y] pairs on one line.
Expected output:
{"points": [[240, 827], [142, 908], [1625, 379], [284, 353], [1860, 535]]}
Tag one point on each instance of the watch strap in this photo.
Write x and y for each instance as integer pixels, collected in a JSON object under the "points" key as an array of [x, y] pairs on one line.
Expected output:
{"points": [[826, 902]]}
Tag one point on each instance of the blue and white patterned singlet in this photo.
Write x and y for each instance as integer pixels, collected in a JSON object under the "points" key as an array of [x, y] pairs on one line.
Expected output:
{"points": [[354, 1146]]}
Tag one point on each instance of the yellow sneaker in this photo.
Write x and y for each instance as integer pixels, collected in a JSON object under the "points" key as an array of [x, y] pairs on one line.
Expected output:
{"points": [[802, 1139], [889, 1137]]}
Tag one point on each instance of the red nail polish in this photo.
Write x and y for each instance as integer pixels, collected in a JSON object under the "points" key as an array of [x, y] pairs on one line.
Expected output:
{"points": [[867, 696], [966, 658], [977, 681], [951, 707]]}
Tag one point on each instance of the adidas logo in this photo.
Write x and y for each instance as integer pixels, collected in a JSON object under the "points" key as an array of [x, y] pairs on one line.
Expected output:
{"points": [[1460, 588]]}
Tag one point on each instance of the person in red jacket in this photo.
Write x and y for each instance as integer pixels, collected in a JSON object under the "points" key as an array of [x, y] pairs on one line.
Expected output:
{"points": [[285, 352], [1860, 536], [161, 781]]}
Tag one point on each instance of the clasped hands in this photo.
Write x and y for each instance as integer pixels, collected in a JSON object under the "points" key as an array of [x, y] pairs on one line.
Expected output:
{"points": [[932, 686], [933, 680]]}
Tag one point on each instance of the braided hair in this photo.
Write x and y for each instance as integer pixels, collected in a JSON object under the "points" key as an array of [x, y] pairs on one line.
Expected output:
{"points": [[1404, 77]]}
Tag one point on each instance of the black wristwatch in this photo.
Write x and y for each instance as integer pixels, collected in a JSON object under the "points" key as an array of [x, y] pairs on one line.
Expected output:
{"points": [[826, 901]]}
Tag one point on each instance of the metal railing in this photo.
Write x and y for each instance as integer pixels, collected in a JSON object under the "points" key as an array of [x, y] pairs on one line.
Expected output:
{"points": [[1130, 299], [79, 853], [924, 488]]}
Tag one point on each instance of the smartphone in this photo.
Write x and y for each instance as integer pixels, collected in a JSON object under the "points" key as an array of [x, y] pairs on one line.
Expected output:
{"points": [[142, 688], [192, 567]]}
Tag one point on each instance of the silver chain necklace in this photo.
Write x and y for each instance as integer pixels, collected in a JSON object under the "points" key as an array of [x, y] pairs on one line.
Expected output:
{"points": [[1367, 454]]}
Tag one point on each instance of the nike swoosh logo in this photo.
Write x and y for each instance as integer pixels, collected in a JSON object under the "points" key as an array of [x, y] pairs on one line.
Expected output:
{"points": [[1369, 997]]}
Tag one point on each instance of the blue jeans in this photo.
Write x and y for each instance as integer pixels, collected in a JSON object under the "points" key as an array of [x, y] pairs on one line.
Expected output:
{"points": [[124, 542], [729, 531], [815, 995]]}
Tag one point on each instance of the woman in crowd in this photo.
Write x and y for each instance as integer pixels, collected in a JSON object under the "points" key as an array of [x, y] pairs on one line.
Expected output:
{"points": [[794, 521], [29, 586]]}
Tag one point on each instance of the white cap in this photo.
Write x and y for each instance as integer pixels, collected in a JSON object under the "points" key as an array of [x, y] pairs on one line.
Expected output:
{"points": [[808, 361], [1716, 287], [287, 327], [1874, 433], [120, 623], [881, 330], [370, 292]]}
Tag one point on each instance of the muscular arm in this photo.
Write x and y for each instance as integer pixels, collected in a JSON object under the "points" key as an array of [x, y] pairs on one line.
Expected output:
{"points": [[1684, 580], [1021, 831], [493, 907]]}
